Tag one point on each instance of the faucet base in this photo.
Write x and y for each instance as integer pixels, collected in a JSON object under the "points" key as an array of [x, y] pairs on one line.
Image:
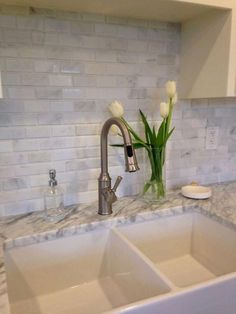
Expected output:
{"points": [[101, 212], [104, 183]]}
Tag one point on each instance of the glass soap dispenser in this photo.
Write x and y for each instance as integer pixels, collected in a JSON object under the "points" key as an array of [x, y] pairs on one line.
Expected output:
{"points": [[53, 199]]}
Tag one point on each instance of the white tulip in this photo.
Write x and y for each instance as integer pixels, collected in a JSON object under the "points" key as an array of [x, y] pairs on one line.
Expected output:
{"points": [[175, 99], [116, 109], [164, 109], [171, 88], [114, 130]]}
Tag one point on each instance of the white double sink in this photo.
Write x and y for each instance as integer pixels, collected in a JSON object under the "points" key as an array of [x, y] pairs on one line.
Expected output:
{"points": [[175, 265]]}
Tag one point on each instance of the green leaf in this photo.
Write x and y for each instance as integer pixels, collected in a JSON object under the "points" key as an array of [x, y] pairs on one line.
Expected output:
{"points": [[135, 145], [157, 160], [138, 145], [148, 132], [161, 134], [135, 136], [117, 145], [154, 133], [169, 134], [131, 130]]}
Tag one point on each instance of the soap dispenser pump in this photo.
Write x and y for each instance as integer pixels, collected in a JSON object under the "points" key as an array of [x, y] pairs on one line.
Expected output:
{"points": [[53, 199]]}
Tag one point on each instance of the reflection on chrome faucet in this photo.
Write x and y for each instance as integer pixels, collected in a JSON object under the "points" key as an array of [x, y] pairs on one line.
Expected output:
{"points": [[106, 194]]}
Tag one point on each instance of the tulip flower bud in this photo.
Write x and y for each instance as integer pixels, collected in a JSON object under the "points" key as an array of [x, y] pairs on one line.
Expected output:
{"points": [[171, 88], [164, 109], [114, 130], [175, 99], [116, 109]]}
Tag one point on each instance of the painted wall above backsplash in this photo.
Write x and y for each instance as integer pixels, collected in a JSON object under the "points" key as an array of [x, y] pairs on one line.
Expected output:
{"points": [[60, 71]]}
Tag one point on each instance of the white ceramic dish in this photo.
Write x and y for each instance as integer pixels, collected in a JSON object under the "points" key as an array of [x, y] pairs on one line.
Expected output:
{"points": [[196, 191]]}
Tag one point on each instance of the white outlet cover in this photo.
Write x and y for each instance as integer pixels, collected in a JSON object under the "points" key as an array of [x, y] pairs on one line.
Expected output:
{"points": [[212, 134]]}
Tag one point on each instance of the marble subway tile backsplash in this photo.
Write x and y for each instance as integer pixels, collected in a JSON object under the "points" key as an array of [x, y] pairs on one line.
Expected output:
{"points": [[60, 70]]}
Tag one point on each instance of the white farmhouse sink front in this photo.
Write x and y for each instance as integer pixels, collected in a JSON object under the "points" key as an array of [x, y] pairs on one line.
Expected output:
{"points": [[165, 264]]}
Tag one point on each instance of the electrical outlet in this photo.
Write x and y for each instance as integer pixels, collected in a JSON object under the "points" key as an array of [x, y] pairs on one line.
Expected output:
{"points": [[212, 134]]}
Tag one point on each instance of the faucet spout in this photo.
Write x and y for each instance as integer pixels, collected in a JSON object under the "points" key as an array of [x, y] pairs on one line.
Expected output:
{"points": [[106, 195]]}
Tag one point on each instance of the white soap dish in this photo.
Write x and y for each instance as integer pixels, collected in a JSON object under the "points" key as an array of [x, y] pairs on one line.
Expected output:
{"points": [[197, 192]]}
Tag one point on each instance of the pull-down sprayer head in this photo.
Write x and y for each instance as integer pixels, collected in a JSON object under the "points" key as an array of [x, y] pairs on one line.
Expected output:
{"points": [[130, 158]]}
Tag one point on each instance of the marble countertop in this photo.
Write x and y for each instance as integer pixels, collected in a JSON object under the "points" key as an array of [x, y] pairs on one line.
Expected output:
{"points": [[32, 228]]}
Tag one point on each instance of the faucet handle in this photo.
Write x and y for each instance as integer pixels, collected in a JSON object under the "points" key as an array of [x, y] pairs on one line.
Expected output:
{"points": [[117, 183], [109, 194]]}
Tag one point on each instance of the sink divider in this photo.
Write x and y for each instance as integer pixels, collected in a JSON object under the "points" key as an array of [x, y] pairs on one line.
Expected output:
{"points": [[147, 261]]}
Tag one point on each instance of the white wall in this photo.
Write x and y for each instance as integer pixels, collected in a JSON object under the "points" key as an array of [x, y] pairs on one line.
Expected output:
{"points": [[60, 71]]}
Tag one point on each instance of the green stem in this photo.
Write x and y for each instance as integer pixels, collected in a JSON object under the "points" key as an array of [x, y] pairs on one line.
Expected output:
{"points": [[155, 185], [168, 120], [164, 137]]}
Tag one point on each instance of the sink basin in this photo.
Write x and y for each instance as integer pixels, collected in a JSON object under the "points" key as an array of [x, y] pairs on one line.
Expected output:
{"points": [[88, 273], [189, 249], [181, 264]]}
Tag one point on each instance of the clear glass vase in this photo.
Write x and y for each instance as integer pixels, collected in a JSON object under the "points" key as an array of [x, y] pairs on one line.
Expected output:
{"points": [[154, 188]]}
